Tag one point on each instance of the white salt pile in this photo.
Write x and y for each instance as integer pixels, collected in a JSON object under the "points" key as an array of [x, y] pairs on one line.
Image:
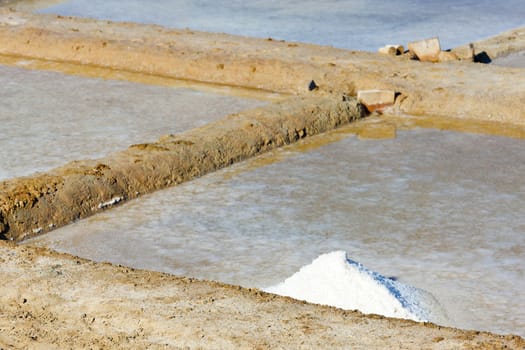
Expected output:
{"points": [[333, 279]]}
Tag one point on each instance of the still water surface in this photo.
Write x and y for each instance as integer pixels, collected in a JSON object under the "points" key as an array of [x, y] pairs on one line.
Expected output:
{"points": [[48, 118], [443, 211], [351, 24]]}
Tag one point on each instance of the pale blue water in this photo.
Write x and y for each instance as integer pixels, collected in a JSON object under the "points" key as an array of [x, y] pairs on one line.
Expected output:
{"points": [[49, 118], [352, 24]]}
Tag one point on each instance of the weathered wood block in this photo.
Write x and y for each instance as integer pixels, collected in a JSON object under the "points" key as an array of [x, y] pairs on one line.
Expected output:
{"points": [[426, 50], [376, 99]]}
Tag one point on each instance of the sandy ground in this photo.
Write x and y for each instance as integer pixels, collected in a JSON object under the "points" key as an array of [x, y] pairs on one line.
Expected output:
{"points": [[515, 60], [501, 45], [53, 300]]}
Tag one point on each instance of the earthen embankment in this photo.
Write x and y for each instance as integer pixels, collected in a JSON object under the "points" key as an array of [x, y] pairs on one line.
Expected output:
{"points": [[56, 301], [34, 205]]}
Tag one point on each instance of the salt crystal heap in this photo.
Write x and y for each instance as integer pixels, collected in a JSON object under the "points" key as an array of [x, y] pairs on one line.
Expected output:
{"points": [[333, 279]]}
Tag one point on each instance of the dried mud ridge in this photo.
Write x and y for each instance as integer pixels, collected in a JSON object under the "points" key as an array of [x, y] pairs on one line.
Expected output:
{"points": [[34, 205], [54, 300]]}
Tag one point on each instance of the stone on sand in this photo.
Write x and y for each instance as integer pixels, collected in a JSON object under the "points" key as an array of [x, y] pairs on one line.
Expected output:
{"points": [[426, 50]]}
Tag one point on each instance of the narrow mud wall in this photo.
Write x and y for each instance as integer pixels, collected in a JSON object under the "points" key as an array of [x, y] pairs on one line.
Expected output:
{"points": [[33, 205]]}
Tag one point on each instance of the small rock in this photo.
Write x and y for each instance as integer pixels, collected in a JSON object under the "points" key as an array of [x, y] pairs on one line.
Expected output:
{"points": [[392, 50], [426, 50], [388, 50], [376, 99], [312, 86]]}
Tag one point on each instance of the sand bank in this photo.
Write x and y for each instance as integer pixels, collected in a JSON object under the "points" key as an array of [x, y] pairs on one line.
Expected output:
{"points": [[501, 45], [56, 301], [516, 60]]}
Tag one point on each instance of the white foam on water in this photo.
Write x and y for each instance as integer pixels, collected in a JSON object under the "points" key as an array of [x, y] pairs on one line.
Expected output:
{"points": [[333, 279]]}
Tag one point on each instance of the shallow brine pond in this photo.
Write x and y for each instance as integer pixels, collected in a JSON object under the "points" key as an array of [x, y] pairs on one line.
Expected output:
{"points": [[443, 211], [48, 118], [351, 24]]}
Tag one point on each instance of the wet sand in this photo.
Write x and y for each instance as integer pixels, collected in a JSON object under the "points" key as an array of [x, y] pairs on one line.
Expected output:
{"points": [[51, 299]]}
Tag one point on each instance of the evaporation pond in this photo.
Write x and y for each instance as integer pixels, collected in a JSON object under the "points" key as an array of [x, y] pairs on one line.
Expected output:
{"points": [[50, 118], [351, 24], [442, 211]]}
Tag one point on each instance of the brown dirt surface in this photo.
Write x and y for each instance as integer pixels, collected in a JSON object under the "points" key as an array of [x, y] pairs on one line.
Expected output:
{"points": [[56, 301]]}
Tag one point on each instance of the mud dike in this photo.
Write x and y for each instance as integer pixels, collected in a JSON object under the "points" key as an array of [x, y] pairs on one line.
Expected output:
{"points": [[470, 93], [321, 81]]}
